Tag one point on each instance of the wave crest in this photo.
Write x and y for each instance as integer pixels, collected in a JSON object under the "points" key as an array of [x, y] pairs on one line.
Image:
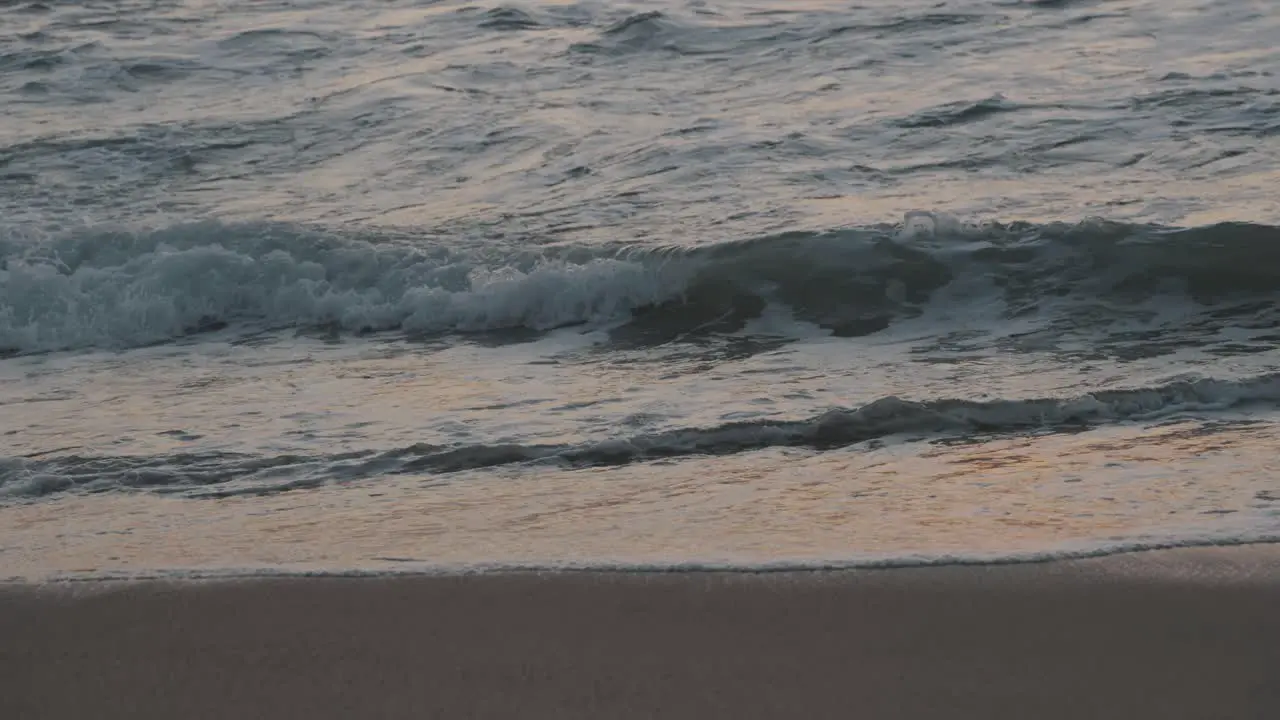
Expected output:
{"points": [[122, 290]]}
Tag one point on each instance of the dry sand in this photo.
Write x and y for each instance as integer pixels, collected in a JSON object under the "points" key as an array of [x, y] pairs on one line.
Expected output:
{"points": [[1182, 634]]}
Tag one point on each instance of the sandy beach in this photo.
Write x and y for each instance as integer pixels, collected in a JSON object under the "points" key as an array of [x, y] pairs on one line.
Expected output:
{"points": [[1168, 634]]}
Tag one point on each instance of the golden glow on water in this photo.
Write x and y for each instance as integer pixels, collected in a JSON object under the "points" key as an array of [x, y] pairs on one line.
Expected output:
{"points": [[999, 497]]}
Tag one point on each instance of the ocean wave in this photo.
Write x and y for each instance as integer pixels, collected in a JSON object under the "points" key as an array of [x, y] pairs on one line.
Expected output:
{"points": [[121, 290], [508, 18], [220, 474], [958, 113], [124, 290]]}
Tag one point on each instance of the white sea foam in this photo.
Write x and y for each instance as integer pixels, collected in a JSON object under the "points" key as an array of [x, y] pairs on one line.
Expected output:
{"points": [[139, 290]]}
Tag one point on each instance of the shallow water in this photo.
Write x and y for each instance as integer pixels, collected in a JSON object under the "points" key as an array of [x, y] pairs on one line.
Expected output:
{"points": [[294, 285]]}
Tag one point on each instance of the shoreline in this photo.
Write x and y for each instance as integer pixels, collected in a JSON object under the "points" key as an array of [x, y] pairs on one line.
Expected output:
{"points": [[1188, 633], [1260, 551]]}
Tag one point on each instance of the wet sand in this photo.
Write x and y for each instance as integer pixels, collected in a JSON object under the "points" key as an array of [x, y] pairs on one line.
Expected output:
{"points": [[1176, 634]]}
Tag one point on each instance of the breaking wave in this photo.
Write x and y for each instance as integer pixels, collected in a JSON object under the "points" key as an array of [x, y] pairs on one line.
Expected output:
{"points": [[120, 290]]}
